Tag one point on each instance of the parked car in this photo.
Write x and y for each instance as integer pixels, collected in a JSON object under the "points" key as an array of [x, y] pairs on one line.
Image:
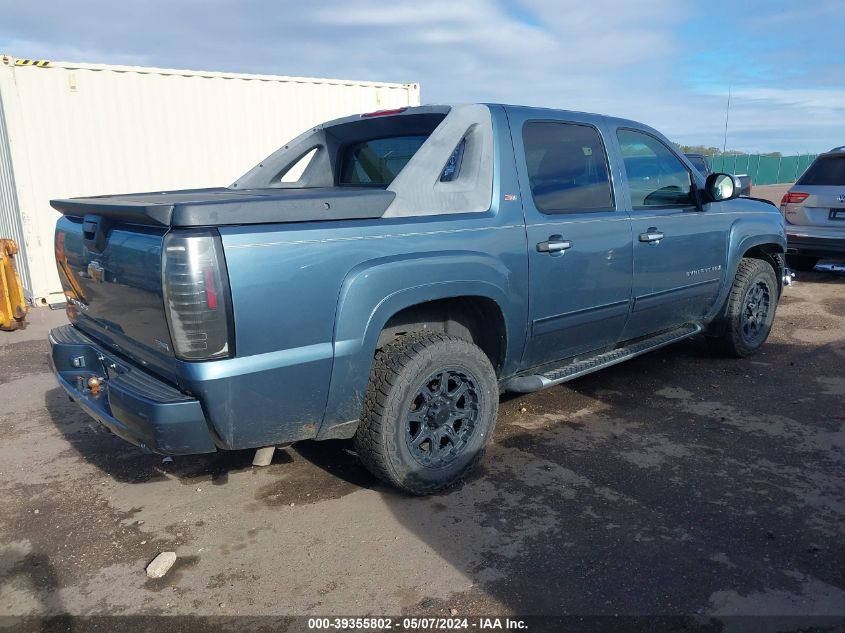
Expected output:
{"points": [[814, 211], [702, 164], [424, 261]]}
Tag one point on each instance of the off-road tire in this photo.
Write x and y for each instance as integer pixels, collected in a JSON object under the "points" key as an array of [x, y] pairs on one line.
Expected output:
{"points": [[401, 371], [801, 263], [753, 276]]}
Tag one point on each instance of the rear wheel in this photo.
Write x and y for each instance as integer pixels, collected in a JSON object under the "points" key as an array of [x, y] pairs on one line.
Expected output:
{"points": [[750, 309], [429, 412], [802, 263]]}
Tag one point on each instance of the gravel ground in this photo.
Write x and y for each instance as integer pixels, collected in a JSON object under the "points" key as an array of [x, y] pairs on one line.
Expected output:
{"points": [[678, 483], [772, 193]]}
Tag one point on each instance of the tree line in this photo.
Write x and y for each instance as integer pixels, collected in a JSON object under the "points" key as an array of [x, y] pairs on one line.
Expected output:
{"points": [[715, 151]]}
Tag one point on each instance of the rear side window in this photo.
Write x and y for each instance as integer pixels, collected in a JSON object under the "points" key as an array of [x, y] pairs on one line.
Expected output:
{"points": [[656, 177], [567, 167], [376, 162], [826, 171], [453, 166]]}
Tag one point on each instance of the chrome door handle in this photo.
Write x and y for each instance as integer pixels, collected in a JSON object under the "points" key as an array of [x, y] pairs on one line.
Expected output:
{"points": [[554, 246], [652, 235]]}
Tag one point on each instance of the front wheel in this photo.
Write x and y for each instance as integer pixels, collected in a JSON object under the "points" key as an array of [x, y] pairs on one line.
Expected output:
{"points": [[750, 309], [429, 412]]}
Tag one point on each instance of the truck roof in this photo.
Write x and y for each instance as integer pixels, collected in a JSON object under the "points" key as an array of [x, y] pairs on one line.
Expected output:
{"points": [[537, 110], [580, 113]]}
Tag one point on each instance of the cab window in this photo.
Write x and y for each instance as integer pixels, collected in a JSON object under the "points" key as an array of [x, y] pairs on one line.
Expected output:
{"points": [[567, 167], [376, 162], [656, 177]]}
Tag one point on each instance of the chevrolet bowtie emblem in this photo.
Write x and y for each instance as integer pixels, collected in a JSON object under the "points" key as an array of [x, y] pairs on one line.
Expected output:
{"points": [[95, 271]]}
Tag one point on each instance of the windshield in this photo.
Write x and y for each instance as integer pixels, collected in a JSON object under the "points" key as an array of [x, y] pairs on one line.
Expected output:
{"points": [[826, 171]]}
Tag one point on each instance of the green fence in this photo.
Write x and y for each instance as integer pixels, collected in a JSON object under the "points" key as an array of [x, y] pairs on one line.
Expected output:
{"points": [[764, 170]]}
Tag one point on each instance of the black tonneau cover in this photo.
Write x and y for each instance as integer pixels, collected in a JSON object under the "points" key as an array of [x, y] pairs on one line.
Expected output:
{"points": [[222, 206]]}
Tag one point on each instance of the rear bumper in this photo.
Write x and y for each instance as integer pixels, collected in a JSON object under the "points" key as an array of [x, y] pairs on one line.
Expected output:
{"points": [[133, 404], [815, 243]]}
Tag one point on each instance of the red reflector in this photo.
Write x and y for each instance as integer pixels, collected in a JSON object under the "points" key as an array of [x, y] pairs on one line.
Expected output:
{"points": [[793, 197], [210, 289], [369, 115]]}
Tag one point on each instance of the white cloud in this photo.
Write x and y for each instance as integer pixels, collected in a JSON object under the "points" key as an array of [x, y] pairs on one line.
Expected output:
{"points": [[827, 100], [619, 58]]}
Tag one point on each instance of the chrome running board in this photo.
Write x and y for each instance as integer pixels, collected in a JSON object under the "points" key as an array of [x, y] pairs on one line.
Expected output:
{"points": [[581, 366]]}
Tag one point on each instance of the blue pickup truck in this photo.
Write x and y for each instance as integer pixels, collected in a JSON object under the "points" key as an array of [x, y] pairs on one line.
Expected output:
{"points": [[384, 277]]}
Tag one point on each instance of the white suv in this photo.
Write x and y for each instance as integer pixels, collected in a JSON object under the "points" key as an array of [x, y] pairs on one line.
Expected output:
{"points": [[814, 212]]}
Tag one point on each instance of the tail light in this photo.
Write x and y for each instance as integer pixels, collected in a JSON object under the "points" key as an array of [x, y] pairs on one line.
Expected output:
{"points": [[793, 197], [196, 295]]}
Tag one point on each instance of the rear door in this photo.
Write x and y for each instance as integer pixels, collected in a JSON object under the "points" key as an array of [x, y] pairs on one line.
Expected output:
{"points": [[579, 244], [679, 249]]}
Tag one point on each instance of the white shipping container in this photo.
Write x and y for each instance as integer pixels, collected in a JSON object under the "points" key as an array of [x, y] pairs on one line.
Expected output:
{"points": [[70, 129]]}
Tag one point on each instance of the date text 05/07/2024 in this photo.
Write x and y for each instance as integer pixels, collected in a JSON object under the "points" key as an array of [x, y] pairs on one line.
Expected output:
{"points": [[387, 623]]}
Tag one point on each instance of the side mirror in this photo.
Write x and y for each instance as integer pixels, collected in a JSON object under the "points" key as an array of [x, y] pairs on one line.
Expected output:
{"points": [[719, 187]]}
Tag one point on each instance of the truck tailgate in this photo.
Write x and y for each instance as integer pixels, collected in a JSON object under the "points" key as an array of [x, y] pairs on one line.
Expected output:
{"points": [[112, 281]]}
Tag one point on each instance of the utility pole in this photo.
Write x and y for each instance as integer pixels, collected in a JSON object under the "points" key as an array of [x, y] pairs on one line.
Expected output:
{"points": [[727, 115]]}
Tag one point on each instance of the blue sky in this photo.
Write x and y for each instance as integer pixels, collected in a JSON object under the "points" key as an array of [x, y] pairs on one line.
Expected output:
{"points": [[667, 63]]}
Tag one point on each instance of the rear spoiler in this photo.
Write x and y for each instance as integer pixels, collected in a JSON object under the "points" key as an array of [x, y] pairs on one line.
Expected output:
{"points": [[129, 212], [221, 207]]}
